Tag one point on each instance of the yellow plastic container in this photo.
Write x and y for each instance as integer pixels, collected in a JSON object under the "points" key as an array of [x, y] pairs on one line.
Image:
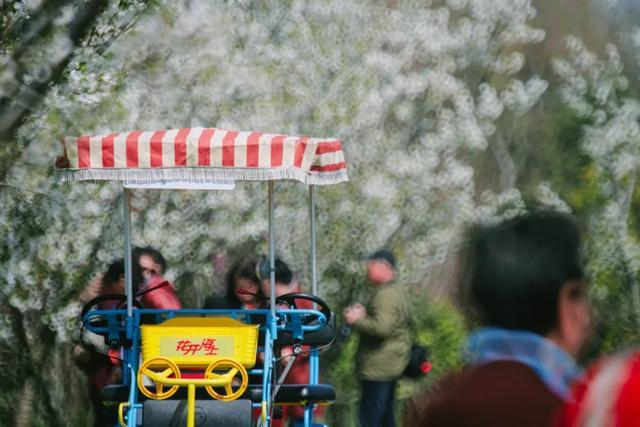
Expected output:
{"points": [[196, 342]]}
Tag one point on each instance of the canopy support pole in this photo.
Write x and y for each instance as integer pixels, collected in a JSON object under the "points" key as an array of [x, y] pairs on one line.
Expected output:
{"points": [[128, 280], [312, 225], [272, 253]]}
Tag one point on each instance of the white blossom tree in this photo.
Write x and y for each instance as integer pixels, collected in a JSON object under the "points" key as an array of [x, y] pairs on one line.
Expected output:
{"points": [[599, 93], [414, 90]]}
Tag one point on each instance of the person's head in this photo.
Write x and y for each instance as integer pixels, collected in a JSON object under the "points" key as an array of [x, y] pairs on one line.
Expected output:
{"points": [[113, 278], [381, 267], [527, 274], [243, 287], [146, 262], [285, 282], [150, 261]]}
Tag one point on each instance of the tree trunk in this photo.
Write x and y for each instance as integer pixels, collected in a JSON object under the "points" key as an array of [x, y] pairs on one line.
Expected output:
{"points": [[506, 165], [24, 410]]}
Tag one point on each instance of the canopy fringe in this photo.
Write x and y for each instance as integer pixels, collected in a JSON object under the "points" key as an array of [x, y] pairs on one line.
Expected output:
{"points": [[201, 175]]}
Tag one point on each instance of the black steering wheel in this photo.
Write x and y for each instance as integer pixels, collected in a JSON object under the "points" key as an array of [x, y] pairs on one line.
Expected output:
{"points": [[290, 300], [122, 302], [99, 321]]}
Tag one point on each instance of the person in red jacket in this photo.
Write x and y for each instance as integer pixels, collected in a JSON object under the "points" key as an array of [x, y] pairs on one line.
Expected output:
{"points": [[152, 289], [92, 355], [608, 396]]}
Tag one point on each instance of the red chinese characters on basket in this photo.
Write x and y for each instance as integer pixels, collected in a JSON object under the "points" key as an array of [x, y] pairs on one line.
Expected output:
{"points": [[189, 348]]}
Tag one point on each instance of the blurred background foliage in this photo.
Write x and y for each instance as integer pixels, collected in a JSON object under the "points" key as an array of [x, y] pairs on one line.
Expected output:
{"points": [[450, 111]]}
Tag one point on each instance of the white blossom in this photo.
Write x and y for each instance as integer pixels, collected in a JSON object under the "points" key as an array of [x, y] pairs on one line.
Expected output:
{"points": [[389, 83]]}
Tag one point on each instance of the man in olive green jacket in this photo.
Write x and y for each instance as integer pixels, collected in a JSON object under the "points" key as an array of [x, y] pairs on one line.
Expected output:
{"points": [[385, 343]]}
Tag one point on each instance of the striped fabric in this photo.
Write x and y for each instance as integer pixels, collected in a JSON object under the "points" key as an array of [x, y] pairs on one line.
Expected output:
{"points": [[200, 155]]}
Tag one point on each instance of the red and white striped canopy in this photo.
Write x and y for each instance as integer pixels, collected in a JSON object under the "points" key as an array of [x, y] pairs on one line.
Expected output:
{"points": [[202, 155]]}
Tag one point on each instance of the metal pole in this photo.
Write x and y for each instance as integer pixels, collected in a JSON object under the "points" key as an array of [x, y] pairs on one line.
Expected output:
{"points": [[272, 253], [126, 210], [191, 405], [312, 224], [271, 333]]}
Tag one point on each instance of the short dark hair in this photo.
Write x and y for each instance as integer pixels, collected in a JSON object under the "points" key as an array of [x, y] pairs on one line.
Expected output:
{"points": [[114, 272], [515, 270], [282, 270], [386, 255]]}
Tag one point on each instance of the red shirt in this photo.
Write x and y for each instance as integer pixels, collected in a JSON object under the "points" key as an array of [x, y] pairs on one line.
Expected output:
{"points": [[496, 394], [608, 396], [159, 297]]}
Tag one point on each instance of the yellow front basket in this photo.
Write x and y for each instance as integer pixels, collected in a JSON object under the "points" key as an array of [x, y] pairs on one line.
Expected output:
{"points": [[196, 342]]}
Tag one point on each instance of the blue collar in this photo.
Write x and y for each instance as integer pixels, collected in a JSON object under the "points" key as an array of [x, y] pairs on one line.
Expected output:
{"points": [[552, 364]]}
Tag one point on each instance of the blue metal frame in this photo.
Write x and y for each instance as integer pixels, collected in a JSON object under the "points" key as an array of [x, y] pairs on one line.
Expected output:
{"points": [[290, 320]]}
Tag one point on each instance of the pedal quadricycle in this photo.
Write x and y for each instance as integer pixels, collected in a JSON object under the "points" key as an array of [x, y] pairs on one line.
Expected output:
{"points": [[192, 366]]}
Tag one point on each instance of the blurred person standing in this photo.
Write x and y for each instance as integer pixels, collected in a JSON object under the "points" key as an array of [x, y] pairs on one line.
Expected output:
{"points": [[525, 278], [385, 342]]}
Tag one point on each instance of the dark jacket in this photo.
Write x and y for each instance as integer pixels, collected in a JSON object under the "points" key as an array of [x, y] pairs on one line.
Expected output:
{"points": [[385, 342], [496, 394], [220, 302]]}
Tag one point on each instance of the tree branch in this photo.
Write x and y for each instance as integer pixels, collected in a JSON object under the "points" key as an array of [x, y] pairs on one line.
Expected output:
{"points": [[29, 96], [506, 165]]}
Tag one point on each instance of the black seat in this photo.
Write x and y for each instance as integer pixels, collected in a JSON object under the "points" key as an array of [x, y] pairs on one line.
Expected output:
{"points": [[289, 393], [296, 394], [120, 393], [210, 413]]}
